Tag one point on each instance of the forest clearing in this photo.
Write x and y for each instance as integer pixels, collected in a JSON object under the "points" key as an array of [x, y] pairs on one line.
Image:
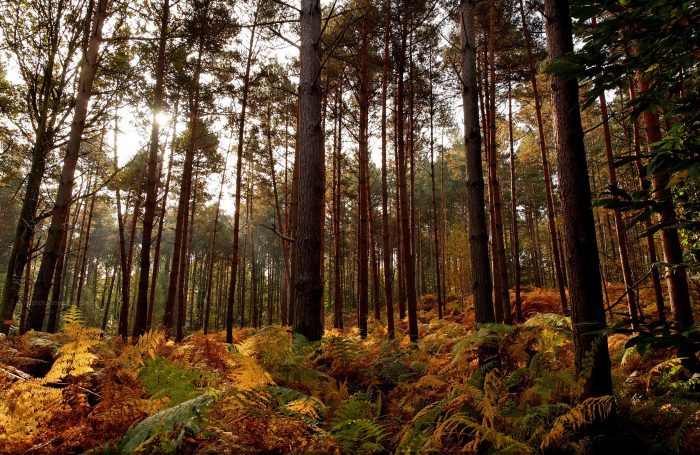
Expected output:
{"points": [[349, 226]]}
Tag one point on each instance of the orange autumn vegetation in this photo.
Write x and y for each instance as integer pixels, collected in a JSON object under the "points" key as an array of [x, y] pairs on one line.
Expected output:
{"points": [[274, 392]]}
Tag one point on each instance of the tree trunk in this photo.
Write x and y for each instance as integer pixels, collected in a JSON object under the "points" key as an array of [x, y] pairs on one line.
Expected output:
{"points": [[436, 236], [643, 185], [308, 284], [43, 142], [109, 299], [239, 167], [363, 184], [65, 188], [161, 220], [386, 239], [478, 237], [337, 265], [409, 264], [142, 305], [588, 312], [514, 211], [499, 251], [86, 245], [556, 255], [673, 251], [620, 229], [179, 243]]}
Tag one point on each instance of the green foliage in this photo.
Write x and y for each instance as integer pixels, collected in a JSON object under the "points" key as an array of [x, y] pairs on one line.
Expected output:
{"points": [[167, 427], [165, 378]]}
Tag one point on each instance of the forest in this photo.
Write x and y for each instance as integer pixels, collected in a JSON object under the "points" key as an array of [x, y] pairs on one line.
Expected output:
{"points": [[349, 226]]}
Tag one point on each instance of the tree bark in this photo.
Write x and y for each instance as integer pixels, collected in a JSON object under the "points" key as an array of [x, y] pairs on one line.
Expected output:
{"points": [[481, 286], [142, 304], [239, 167], [588, 312], [556, 254], [436, 236], [620, 229], [514, 211], [676, 280], [43, 142], [363, 184], [386, 239], [65, 188], [643, 186], [308, 284], [179, 243]]}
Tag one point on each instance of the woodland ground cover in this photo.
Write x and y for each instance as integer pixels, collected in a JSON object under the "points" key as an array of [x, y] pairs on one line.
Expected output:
{"points": [[272, 391]]}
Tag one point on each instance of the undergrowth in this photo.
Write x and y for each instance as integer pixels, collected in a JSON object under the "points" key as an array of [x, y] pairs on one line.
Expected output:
{"points": [[276, 392]]}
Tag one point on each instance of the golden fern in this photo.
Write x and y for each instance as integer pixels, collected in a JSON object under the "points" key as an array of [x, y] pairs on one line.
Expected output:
{"points": [[585, 413], [74, 357]]}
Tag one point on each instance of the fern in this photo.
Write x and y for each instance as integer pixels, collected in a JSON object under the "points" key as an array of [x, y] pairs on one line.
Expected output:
{"points": [[183, 418], [165, 378], [74, 357], [591, 410], [361, 436]]}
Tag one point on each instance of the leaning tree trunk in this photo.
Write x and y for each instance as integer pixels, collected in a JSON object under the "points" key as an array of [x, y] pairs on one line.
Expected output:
{"points": [[141, 313], [65, 187], [308, 284], [43, 142], [478, 236], [587, 310]]}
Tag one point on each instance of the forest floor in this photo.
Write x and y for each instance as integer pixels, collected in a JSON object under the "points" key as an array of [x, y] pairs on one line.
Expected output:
{"points": [[274, 392]]}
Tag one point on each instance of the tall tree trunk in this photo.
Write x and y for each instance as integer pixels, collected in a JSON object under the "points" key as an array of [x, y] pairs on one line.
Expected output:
{"points": [[514, 211], [109, 299], [161, 221], [409, 263], [179, 243], [65, 187], [376, 300], [436, 236], [308, 284], [239, 167], [386, 239], [620, 229], [27, 285], [141, 316], [43, 142], [56, 288], [588, 312], [478, 237], [337, 264], [81, 236], [643, 186], [212, 241], [499, 251], [363, 184], [556, 255], [676, 280], [86, 245]]}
